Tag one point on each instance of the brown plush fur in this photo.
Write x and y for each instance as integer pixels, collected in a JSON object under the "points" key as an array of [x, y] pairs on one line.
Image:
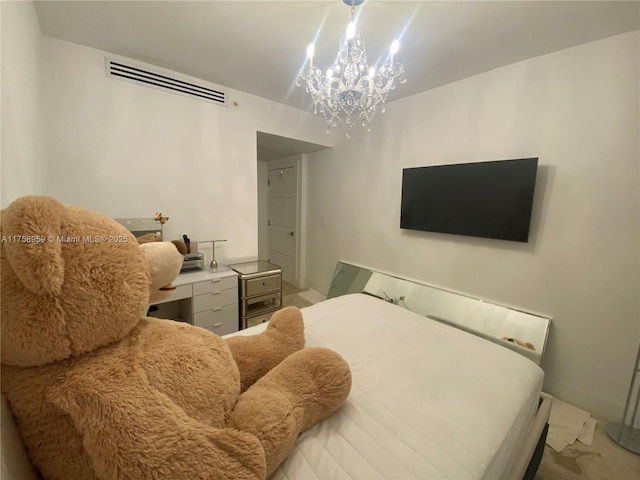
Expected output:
{"points": [[257, 355], [320, 372], [149, 237], [46, 312], [100, 392]]}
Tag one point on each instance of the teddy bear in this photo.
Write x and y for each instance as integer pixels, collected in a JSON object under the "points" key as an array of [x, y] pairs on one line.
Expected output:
{"points": [[519, 342], [150, 237], [99, 391]]}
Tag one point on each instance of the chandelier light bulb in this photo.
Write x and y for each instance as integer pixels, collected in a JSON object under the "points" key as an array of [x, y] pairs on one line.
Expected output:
{"points": [[395, 45], [351, 30], [310, 50]]}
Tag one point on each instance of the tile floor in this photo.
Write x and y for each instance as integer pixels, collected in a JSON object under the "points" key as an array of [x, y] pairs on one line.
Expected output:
{"points": [[603, 460], [290, 296]]}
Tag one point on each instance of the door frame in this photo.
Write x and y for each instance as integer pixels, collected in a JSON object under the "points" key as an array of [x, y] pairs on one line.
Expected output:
{"points": [[298, 161]]}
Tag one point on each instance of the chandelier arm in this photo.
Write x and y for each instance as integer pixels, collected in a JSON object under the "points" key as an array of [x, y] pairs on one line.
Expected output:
{"points": [[387, 86], [389, 78], [339, 84], [365, 84], [314, 84]]}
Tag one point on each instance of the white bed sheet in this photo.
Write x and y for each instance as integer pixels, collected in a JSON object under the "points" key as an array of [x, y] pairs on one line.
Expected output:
{"points": [[428, 401]]}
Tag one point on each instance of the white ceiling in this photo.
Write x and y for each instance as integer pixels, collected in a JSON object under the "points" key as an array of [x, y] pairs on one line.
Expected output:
{"points": [[258, 46]]}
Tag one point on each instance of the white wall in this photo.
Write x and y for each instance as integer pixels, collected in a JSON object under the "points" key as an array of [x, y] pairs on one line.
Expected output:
{"points": [[577, 110], [21, 151], [263, 211], [130, 151]]}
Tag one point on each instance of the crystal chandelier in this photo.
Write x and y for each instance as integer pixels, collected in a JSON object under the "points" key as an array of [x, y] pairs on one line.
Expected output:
{"points": [[351, 91]]}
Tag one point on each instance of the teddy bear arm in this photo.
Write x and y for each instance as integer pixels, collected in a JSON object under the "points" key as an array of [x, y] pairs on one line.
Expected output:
{"points": [[134, 432], [302, 390]]}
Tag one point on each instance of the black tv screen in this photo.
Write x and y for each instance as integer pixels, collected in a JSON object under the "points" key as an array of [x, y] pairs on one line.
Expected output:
{"points": [[483, 199]]}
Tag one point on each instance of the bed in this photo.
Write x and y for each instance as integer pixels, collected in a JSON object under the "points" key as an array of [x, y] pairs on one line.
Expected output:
{"points": [[429, 401]]}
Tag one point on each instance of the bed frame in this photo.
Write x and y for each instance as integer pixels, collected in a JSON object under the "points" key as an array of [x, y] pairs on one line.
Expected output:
{"points": [[16, 465], [533, 446], [489, 320]]}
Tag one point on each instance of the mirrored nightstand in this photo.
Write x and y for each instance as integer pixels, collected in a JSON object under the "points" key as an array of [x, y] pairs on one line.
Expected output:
{"points": [[259, 289]]}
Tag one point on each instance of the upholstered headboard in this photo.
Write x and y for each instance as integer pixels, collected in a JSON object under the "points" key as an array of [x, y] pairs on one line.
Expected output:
{"points": [[481, 317]]}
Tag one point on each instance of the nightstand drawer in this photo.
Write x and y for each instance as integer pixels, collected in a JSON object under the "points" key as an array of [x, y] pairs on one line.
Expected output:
{"points": [[257, 286], [220, 322], [215, 285], [215, 299], [262, 304], [253, 321]]}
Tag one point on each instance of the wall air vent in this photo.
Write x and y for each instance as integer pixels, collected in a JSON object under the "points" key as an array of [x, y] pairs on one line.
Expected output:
{"points": [[155, 77]]}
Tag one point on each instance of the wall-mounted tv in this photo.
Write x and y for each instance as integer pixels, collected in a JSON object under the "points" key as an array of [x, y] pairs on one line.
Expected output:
{"points": [[482, 199]]}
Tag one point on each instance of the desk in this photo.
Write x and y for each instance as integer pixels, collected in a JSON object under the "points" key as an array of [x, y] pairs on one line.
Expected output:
{"points": [[205, 298], [260, 288]]}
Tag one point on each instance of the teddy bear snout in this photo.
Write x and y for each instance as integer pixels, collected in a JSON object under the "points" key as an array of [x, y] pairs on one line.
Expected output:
{"points": [[165, 262]]}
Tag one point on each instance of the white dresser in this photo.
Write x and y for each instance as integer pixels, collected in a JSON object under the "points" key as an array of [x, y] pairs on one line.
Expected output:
{"points": [[206, 298]]}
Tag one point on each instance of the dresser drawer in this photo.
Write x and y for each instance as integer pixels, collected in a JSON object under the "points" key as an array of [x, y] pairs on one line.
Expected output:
{"points": [[215, 300], [224, 329], [215, 285], [258, 286], [183, 291], [220, 322]]}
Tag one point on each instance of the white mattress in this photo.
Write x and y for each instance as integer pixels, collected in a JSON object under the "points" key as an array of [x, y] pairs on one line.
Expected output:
{"points": [[428, 401]]}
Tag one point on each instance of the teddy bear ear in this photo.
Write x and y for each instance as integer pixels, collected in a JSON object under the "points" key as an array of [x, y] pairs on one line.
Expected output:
{"points": [[180, 245], [30, 237]]}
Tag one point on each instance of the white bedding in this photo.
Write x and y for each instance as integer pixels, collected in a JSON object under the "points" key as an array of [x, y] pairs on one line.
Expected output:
{"points": [[428, 401]]}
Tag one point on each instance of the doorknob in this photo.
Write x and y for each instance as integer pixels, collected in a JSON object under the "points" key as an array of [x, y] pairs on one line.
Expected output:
{"points": [[290, 233]]}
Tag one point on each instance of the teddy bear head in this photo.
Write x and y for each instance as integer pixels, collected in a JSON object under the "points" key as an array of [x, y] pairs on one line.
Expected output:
{"points": [[73, 280]]}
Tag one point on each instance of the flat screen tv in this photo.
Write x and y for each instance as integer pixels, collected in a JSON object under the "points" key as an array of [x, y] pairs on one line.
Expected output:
{"points": [[483, 199]]}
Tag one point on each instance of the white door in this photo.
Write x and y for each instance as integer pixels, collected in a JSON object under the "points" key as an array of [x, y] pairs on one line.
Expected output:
{"points": [[282, 185]]}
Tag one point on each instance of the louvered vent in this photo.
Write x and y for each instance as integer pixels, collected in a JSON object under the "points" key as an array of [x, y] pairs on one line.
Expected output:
{"points": [[165, 80]]}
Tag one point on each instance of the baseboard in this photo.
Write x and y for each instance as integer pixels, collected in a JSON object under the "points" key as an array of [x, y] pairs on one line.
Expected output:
{"points": [[312, 296], [322, 289], [598, 407]]}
